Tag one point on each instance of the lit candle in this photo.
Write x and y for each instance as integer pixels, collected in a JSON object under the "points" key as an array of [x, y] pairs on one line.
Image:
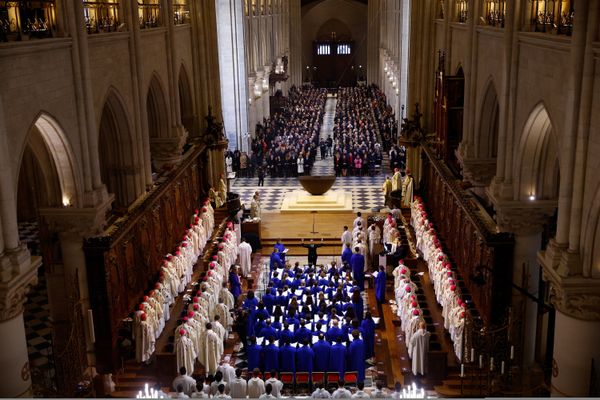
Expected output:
{"points": [[480, 361], [502, 368], [146, 390], [462, 370], [512, 352], [491, 363], [472, 354]]}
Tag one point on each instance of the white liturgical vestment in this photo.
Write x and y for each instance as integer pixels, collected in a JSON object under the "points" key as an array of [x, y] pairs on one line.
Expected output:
{"points": [[419, 349], [245, 258]]}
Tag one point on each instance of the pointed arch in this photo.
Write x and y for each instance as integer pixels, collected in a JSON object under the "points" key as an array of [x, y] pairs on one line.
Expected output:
{"points": [[186, 101], [487, 136], [538, 167], [48, 171], [591, 243], [118, 161], [157, 110]]}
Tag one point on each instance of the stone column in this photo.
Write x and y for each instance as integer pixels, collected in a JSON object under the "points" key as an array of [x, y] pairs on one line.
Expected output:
{"points": [[258, 97], [295, 38], [14, 359], [266, 94], [526, 221], [251, 107]]}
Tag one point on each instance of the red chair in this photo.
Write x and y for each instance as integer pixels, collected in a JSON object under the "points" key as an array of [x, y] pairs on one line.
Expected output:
{"points": [[287, 378], [267, 375], [351, 377], [302, 378], [318, 377]]}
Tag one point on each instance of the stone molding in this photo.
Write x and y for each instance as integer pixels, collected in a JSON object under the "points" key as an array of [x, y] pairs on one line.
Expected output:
{"points": [[85, 222], [167, 151], [575, 296], [13, 292], [479, 171], [523, 218]]}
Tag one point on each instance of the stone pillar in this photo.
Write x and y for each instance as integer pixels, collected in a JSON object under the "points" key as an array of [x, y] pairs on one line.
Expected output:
{"points": [[526, 221], [258, 94], [251, 107], [266, 94], [14, 360], [373, 42], [295, 39]]}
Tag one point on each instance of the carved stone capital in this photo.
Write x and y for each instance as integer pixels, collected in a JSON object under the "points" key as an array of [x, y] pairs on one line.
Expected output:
{"points": [[523, 218], [86, 222], [479, 171], [576, 296], [167, 151], [13, 291]]}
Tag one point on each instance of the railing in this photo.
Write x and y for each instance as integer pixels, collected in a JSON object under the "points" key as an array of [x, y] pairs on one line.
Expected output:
{"points": [[22, 20], [552, 16], [181, 12], [494, 12], [150, 13], [101, 16]]}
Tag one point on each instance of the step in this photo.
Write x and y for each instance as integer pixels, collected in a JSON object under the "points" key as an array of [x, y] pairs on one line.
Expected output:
{"points": [[448, 392]]}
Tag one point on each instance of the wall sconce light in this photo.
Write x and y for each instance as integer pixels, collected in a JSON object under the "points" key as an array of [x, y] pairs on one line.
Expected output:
{"points": [[531, 197], [66, 201]]}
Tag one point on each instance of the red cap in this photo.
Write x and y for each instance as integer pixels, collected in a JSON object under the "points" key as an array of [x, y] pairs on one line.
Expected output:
{"points": [[204, 209], [221, 246], [196, 307], [215, 258], [462, 314], [177, 253], [145, 298], [205, 278], [184, 244], [143, 316], [190, 314], [141, 307], [182, 332], [197, 219], [403, 271], [453, 288], [197, 211], [407, 288], [413, 304], [415, 312], [185, 319], [169, 257]]}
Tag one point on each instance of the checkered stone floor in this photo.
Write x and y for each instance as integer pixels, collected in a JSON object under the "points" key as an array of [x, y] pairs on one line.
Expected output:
{"points": [[29, 234]]}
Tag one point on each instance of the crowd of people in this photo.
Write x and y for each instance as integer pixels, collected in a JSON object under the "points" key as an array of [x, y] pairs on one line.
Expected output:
{"points": [[176, 272], [356, 140], [443, 278], [286, 143]]}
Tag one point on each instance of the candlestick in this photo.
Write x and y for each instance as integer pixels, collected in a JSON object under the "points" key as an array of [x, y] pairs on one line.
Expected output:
{"points": [[491, 363], [462, 370], [472, 354], [512, 352], [480, 361], [502, 368]]}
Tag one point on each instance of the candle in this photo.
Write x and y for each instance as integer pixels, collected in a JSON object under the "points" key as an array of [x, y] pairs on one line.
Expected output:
{"points": [[512, 352], [491, 363], [472, 354], [462, 370], [146, 390], [480, 361], [502, 368]]}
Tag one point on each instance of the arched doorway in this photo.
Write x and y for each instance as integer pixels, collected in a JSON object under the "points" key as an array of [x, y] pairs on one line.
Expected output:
{"points": [[46, 179], [119, 168], [186, 103]]}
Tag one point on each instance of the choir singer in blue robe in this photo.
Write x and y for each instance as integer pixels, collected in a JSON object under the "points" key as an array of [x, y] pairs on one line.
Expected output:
{"points": [[368, 331], [287, 358], [321, 349], [276, 262], [280, 248], [304, 358], [253, 353], [357, 262], [356, 356], [271, 355], [380, 285], [346, 255], [337, 358]]}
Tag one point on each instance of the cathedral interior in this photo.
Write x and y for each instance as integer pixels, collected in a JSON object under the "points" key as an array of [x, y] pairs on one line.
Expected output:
{"points": [[127, 125]]}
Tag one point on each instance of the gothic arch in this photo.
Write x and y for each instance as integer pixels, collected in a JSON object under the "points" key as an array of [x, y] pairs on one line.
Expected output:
{"points": [[538, 169], [186, 101], [157, 110], [342, 31], [47, 167], [118, 161], [487, 136]]}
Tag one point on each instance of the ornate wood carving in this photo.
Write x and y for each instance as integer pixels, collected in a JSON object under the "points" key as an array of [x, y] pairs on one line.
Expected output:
{"points": [[125, 260], [483, 257]]}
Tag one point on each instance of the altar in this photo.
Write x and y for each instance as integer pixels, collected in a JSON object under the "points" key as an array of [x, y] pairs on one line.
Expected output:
{"points": [[338, 200]]}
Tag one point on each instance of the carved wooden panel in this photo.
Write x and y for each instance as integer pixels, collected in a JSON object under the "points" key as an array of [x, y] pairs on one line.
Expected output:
{"points": [[124, 263]]}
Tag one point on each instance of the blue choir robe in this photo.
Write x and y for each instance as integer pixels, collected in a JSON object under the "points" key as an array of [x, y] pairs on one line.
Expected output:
{"points": [[269, 301], [276, 262], [333, 333], [251, 322], [281, 248], [285, 335], [258, 326], [321, 349], [356, 358], [359, 308], [380, 287], [287, 358], [262, 313], [293, 321], [235, 285], [277, 326], [253, 353], [323, 281], [337, 359], [346, 255], [268, 332], [303, 333], [304, 359], [271, 357], [250, 304], [368, 331], [357, 262]]}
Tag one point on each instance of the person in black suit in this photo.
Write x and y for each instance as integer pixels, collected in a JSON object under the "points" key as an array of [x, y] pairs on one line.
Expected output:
{"points": [[312, 250]]}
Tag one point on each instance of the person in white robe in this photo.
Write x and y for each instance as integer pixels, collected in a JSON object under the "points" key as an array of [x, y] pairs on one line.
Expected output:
{"points": [[227, 370], [238, 388], [188, 383], [255, 211], [186, 355], [396, 180], [420, 348], [358, 219], [374, 239], [213, 351], [276, 384], [145, 338], [346, 238], [407, 190], [245, 257], [227, 296], [222, 311], [256, 386]]}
